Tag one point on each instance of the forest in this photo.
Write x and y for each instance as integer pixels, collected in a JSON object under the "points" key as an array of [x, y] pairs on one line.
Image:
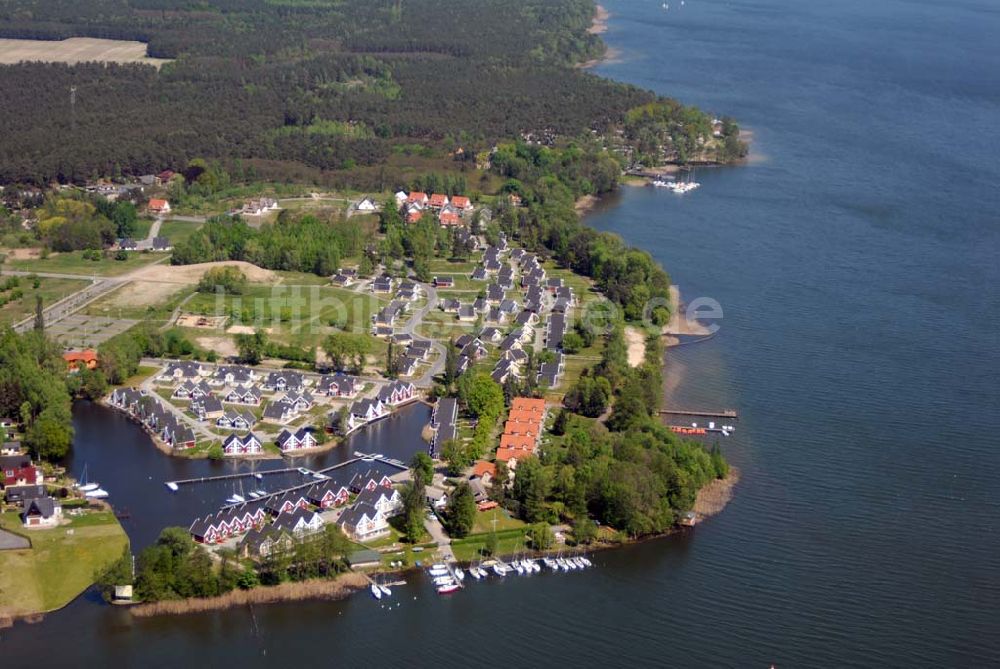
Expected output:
{"points": [[331, 87]]}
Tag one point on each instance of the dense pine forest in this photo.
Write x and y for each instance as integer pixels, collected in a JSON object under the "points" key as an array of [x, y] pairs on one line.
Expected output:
{"points": [[334, 85]]}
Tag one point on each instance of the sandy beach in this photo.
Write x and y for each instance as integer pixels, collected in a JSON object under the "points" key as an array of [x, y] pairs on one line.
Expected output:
{"points": [[679, 323], [600, 22], [636, 342]]}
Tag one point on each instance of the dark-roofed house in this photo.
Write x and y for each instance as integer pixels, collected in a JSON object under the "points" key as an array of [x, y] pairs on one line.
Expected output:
{"points": [[278, 412], [362, 522], [17, 470], [284, 381], [161, 243], [41, 512], [387, 500], [247, 444], [328, 494], [444, 417], [207, 408], [262, 542], [296, 441], [299, 522], [339, 385], [236, 420], [397, 392]]}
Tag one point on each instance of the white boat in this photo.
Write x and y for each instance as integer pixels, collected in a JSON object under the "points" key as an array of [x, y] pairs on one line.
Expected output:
{"points": [[385, 590], [172, 486], [97, 493], [587, 562], [376, 591], [254, 494], [579, 563], [663, 183], [535, 566], [518, 568], [476, 574], [304, 471], [83, 485], [442, 580], [235, 499], [499, 570], [445, 589], [550, 563], [439, 565], [259, 476], [459, 574]]}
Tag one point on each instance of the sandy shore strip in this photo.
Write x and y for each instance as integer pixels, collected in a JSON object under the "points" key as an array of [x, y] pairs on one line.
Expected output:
{"points": [[600, 23], [338, 588], [679, 323], [714, 496], [636, 342], [585, 204]]}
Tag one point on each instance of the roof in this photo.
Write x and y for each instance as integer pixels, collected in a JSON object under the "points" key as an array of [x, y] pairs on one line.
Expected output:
{"points": [[482, 467], [534, 404], [86, 355], [157, 203]]}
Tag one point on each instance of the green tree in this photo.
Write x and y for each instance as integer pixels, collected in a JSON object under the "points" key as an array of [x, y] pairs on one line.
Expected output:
{"points": [[414, 502], [422, 467], [540, 536], [456, 455], [252, 347], [39, 314], [481, 395], [460, 512]]}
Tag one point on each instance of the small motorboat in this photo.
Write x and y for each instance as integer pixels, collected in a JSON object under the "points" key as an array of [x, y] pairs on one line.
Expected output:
{"points": [[447, 588], [442, 580], [254, 494], [235, 499], [173, 487], [304, 471], [376, 591], [97, 493]]}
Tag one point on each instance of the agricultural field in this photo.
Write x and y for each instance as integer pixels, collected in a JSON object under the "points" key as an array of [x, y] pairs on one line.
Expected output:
{"points": [[76, 50]]}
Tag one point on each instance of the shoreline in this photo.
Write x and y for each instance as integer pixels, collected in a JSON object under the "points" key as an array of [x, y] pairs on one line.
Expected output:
{"points": [[599, 26], [318, 589]]}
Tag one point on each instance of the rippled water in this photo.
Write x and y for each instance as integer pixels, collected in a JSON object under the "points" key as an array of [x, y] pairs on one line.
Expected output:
{"points": [[856, 260]]}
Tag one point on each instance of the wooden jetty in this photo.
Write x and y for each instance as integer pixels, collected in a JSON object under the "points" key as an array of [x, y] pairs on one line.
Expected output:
{"points": [[725, 413], [227, 477]]}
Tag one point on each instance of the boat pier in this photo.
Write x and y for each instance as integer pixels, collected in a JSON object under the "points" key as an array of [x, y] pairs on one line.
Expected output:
{"points": [[229, 477], [724, 413]]}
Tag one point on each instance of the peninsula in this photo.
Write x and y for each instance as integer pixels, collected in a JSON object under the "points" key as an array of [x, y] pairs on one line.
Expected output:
{"points": [[347, 251]]}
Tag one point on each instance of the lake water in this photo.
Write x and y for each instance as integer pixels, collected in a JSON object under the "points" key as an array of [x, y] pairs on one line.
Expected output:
{"points": [[856, 259]]}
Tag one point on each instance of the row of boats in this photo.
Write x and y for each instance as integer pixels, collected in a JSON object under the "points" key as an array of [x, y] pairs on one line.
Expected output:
{"points": [[677, 186], [447, 580]]}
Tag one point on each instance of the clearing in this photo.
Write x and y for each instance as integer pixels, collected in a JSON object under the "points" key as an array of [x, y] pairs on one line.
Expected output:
{"points": [[76, 50]]}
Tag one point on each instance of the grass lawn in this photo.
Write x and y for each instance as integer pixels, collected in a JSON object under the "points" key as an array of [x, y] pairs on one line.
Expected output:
{"points": [[470, 548], [484, 521], [142, 227], [58, 566], [73, 262], [141, 374], [115, 305], [179, 231], [50, 290]]}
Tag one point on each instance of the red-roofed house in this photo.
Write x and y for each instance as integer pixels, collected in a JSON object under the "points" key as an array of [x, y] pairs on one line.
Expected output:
{"points": [[511, 456], [158, 206], [414, 216], [461, 203], [75, 360], [518, 442], [438, 200], [416, 197], [449, 219], [483, 470]]}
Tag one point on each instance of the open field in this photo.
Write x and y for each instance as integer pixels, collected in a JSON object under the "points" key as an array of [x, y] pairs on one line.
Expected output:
{"points": [[75, 50], [58, 566], [50, 290], [73, 262], [82, 331], [178, 231]]}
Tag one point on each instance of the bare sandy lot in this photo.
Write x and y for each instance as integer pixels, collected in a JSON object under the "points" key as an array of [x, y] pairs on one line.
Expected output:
{"points": [[191, 274], [223, 346], [75, 50], [155, 284], [679, 323], [198, 321]]}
